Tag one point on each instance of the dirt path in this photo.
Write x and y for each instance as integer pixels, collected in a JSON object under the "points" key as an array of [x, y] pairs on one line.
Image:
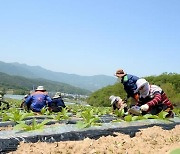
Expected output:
{"points": [[153, 140]]}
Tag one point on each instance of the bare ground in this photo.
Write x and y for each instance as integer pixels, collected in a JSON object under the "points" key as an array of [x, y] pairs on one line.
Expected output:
{"points": [[153, 140]]}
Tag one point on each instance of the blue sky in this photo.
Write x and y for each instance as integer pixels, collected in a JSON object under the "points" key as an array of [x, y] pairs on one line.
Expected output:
{"points": [[92, 37]]}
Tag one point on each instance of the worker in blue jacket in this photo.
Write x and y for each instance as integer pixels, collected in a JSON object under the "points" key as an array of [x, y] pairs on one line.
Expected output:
{"points": [[129, 83], [38, 99]]}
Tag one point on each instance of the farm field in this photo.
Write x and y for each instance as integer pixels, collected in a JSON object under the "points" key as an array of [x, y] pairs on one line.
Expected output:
{"points": [[153, 140], [81, 129]]}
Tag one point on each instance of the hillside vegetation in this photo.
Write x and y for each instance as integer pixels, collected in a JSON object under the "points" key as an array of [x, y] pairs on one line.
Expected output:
{"points": [[22, 85], [170, 83]]}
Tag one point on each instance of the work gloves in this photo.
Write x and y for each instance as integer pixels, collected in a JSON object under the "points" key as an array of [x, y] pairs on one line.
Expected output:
{"points": [[144, 107]]}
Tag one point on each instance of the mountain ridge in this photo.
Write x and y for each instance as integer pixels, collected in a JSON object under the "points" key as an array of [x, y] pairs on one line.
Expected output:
{"points": [[22, 85], [91, 83]]}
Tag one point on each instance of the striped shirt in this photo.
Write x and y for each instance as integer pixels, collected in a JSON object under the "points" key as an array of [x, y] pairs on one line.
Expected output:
{"points": [[156, 96]]}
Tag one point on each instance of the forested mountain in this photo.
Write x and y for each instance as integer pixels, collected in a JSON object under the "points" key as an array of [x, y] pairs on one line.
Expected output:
{"points": [[170, 83], [91, 83], [22, 85]]}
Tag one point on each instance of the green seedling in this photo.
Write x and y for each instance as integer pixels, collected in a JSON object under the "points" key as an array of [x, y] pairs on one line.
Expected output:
{"points": [[62, 115], [88, 119], [119, 113], [34, 126], [45, 111], [15, 115], [135, 118], [128, 118], [162, 115], [101, 110], [150, 116]]}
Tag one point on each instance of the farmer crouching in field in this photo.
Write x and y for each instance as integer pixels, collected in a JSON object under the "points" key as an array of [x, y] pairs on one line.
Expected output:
{"points": [[57, 103], [38, 99], [118, 104], [152, 99], [129, 83]]}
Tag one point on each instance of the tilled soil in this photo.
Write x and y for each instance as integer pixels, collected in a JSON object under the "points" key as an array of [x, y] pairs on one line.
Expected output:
{"points": [[152, 140], [6, 128]]}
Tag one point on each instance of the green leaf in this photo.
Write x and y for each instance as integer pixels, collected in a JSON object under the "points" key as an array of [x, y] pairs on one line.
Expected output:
{"points": [[162, 115], [128, 118], [81, 124], [88, 119], [134, 118], [150, 116], [33, 126], [5, 117], [176, 151], [119, 113], [41, 125], [20, 126]]}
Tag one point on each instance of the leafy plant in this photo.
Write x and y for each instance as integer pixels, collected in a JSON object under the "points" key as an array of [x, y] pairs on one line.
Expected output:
{"points": [[119, 113], [88, 119], [45, 111], [34, 126], [128, 118], [101, 110], [15, 115], [62, 115], [2, 112], [150, 116], [162, 115], [134, 118]]}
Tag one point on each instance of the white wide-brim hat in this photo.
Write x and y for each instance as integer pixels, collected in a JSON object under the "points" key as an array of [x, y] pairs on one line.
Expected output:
{"points": [[57, 95], [40, 88], [140, 83], [114, 98]]}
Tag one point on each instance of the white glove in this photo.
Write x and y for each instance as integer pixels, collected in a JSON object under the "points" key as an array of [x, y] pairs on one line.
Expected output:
{"points": [[144, 107]]}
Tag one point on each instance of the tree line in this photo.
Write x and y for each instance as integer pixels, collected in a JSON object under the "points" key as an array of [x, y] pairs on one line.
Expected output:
{"points": [[169, 82]]}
